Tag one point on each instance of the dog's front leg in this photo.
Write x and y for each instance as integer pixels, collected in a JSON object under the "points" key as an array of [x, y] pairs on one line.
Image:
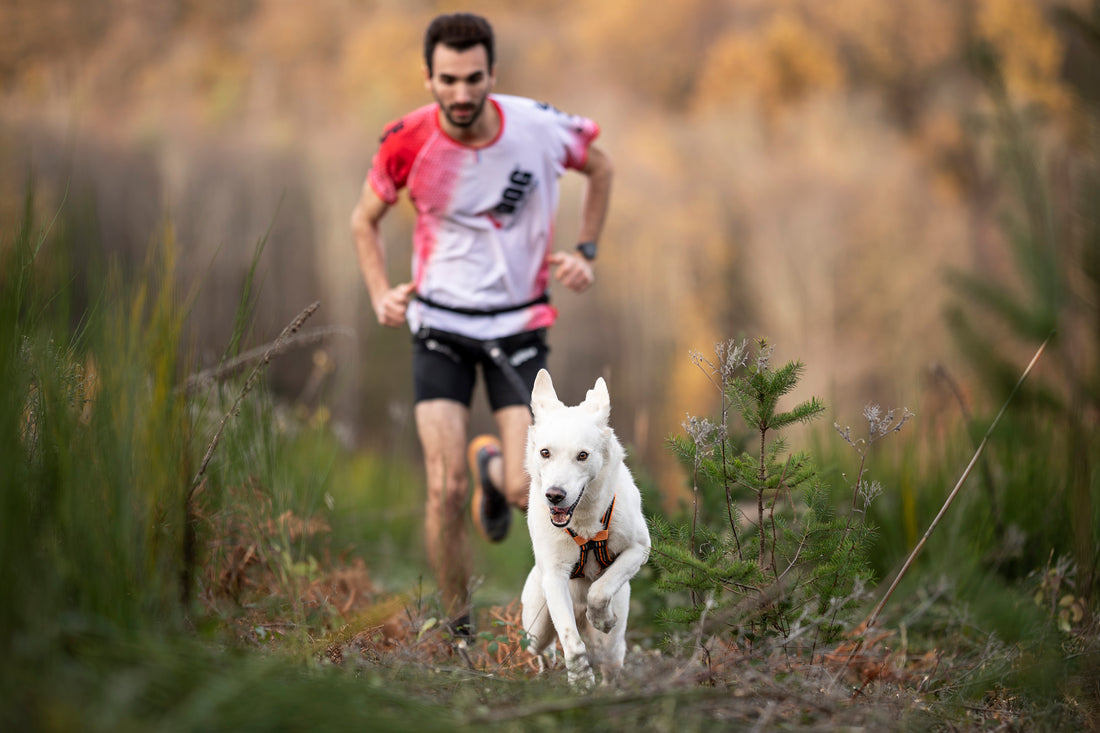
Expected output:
{"points": [[555, 586], [601, 611]]}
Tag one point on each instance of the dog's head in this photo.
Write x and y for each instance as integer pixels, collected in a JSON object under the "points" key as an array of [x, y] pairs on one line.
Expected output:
{"points": [[567, 447]]}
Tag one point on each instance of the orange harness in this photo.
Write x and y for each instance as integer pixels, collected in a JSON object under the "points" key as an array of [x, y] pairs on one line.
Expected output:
{"points": [[598, 545]]}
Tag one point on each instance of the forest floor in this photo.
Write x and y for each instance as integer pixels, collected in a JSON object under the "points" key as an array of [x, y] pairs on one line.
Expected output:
{"points": [[876, 682]]}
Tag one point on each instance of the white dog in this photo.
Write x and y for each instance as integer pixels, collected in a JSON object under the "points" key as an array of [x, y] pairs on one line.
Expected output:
{"points": [[587, 531]]}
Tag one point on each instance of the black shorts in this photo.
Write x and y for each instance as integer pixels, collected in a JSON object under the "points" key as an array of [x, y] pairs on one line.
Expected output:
{"points": [[445, 366]]}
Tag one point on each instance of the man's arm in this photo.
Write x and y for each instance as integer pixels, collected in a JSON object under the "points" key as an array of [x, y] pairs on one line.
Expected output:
{"points": [[389, 302], [597, 196], [574, 271]]}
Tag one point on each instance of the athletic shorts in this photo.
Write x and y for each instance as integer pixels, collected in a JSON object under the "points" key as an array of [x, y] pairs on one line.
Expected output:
{"points": [[445, 366]]}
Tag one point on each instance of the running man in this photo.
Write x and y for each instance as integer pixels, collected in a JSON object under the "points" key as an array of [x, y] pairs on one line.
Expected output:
{"points": [[482, 173]]}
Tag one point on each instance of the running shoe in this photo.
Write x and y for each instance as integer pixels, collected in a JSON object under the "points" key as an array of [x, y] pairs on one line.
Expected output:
{"points": [[492, 515], [460, 627]]}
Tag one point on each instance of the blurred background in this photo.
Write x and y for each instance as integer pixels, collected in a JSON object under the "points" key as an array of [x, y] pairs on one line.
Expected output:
{"points": [[802, 171], [901, 195]]}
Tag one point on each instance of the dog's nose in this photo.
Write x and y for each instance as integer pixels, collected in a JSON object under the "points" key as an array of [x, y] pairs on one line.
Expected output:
{"points": [[554, 495]]}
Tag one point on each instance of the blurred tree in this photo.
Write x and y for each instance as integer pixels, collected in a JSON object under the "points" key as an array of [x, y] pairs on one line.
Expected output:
{"points": [[42, 33], [379, 68], [1029, 51], [652, 49], [774, 68]]}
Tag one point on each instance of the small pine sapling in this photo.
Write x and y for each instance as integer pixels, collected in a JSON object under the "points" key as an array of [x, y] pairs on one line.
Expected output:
{"points": [[765, 552]]}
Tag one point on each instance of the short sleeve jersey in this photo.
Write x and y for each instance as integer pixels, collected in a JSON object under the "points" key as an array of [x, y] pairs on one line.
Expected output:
{"points": [[484, 216]]}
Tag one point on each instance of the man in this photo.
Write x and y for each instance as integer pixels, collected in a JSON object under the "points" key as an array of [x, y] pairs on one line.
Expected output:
{"points": [[481, 170]]}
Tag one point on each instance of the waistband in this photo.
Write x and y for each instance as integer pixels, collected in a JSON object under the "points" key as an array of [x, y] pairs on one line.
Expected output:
{"points": [[540, 300]]}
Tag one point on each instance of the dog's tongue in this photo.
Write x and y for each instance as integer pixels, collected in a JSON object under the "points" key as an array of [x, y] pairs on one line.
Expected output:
{"points": [[559, 517]]}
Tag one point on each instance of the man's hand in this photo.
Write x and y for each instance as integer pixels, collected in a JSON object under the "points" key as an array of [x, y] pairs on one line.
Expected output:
{"points": [[391, 308], [572, 271]]}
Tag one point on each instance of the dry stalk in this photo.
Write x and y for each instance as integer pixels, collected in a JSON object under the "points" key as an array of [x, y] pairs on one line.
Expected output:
{"points": [[280, 346], [274, 348], [871, 619]]}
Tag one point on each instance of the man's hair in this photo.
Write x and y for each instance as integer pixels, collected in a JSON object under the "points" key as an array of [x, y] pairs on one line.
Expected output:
{"points": [[459, 31]]}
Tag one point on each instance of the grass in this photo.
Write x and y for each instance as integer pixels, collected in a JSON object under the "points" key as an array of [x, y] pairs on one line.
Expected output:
{"points": [[284, 589]]}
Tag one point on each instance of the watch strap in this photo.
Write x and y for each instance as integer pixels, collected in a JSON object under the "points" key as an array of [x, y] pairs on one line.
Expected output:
{"points": [[587, 250]]}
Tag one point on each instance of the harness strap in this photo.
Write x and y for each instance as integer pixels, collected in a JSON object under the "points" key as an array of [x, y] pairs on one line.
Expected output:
{"points": [[598, 544], [492, 348], [443, 341], [544, 298]]}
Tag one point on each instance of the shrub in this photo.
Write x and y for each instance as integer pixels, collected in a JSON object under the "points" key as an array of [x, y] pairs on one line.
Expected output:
{"points": [[765, 552]]}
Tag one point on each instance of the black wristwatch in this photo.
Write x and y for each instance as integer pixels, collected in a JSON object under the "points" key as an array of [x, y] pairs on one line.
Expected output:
{"points": [[587, 250]]}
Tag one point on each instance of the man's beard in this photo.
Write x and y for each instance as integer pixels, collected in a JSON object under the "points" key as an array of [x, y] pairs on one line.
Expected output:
{"points": [[469, 121]]}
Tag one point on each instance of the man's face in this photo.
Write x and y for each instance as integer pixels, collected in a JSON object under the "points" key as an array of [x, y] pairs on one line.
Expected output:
{"points": [[460, 82]]}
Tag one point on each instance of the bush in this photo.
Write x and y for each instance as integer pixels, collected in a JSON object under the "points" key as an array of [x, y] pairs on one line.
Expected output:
{"points": [[765, 553]]}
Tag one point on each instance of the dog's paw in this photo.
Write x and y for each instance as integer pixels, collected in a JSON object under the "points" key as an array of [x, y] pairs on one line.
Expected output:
{"points": [[601, 616], [579, 672]]}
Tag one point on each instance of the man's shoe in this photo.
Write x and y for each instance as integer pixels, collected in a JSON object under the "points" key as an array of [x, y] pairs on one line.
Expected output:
{"points": [[460, 627], [489, 507]]}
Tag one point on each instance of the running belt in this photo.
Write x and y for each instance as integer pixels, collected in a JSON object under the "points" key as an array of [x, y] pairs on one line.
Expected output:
{"points": [[540, 300]]}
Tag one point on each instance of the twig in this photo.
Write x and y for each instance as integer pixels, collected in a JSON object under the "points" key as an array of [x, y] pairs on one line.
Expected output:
{"points": [[699, 646], [954, 492], [762, 476], [794, 560], [266, 351], [771, 512], [272, 349]]}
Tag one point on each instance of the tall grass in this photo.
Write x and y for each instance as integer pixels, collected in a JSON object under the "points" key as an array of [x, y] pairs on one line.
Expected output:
{"points": [[96, 447], [96, 444], [101, 627]]}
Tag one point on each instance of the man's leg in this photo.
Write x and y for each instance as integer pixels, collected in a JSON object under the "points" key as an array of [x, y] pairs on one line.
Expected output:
{"points": [[499, 468], [442, 425], [500, 479], [507, 470]]}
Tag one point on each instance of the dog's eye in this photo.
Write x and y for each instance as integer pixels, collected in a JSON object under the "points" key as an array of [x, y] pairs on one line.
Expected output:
{"points": [[545, 453], [582, 456]]}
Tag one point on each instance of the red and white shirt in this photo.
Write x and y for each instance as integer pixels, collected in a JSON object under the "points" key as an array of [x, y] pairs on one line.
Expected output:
{"points": [[485, 216]]}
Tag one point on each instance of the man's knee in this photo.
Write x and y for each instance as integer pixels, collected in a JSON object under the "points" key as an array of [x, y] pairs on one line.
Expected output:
{"points": [[448, 489], [455, 497], [517, 490]]}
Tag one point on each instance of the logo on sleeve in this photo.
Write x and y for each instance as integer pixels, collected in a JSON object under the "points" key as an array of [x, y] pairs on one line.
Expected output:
{"points": [[396, 127]]}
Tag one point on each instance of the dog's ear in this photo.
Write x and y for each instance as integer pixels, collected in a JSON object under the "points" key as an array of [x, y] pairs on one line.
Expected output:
{"points": [[598, 401], [543, 396]]}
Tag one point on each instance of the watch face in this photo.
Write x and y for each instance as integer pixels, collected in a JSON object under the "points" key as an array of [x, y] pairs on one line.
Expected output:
{"points": [[587, 249]]}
